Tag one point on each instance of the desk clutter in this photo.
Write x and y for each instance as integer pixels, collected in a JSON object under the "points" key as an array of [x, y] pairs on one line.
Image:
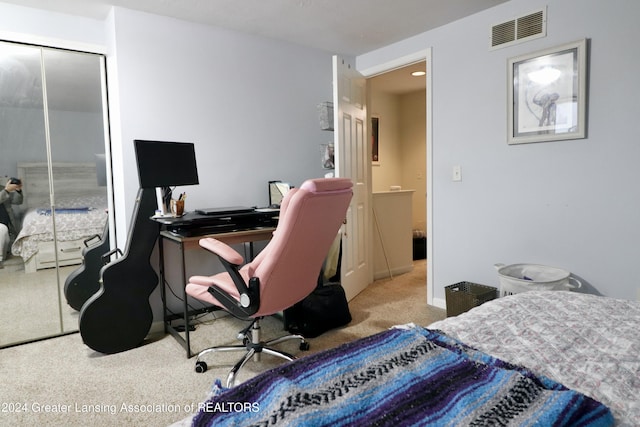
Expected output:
{"points": [[217, 220]]}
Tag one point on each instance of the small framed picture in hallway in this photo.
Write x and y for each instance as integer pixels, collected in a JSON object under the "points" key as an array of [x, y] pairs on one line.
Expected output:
{"points": [[375, 125]]}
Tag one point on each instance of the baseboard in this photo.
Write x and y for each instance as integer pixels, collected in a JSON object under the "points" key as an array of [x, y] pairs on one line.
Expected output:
{"points": [[439, 302], [384, 274], [156, 328]]}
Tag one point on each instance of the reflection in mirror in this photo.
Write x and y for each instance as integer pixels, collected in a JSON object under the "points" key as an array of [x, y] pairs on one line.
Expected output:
{"points": [[55, 143], [22, 297]]}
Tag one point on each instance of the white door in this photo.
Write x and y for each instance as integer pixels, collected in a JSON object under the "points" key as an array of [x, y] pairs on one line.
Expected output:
{"points": [[352, 161]]}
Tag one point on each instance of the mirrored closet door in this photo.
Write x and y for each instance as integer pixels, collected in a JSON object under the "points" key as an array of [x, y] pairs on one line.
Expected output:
{"points": [[53, 140]]}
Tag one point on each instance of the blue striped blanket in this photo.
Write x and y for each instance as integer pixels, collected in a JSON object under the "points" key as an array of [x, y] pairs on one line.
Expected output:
{"points": [[401, 377], [47, 211]]}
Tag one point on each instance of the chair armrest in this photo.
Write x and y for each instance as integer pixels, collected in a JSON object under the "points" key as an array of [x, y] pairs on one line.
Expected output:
{"points": [[202, 280], [231, 260], [222, 250]]}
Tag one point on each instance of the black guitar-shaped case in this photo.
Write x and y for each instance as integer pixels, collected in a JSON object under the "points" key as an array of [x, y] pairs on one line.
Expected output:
{"points": [[83, 282], [118, 316]]}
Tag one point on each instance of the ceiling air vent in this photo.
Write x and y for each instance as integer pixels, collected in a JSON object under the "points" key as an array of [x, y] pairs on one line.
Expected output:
{"points": [[520, 29]]}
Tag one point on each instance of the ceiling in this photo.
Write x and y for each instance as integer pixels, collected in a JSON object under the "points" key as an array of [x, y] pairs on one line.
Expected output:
{"points": [[350, 27], [400, 81]]}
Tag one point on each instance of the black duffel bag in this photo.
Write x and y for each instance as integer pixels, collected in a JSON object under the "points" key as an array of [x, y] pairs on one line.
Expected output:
{"points": [[324, 309]]}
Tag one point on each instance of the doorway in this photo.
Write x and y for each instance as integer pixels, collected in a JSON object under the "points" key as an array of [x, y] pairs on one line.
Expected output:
{"points": [[398, 102]]}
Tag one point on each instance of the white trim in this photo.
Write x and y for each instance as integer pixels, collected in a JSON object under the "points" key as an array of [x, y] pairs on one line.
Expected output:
{"points": [[396, 63], [429, 173], [25, 38], [422, 55]]}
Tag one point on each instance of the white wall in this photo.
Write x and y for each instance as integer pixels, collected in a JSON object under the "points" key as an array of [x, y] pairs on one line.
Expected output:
{"points": [[248, 104], [572, 204], [413, 136], [388, 170]]}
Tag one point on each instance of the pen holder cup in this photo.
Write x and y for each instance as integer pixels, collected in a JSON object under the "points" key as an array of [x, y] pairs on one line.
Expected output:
{"points": [[177, 207]]}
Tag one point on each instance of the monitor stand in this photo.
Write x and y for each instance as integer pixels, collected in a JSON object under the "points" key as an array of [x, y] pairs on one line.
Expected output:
{"points": [[161, 212]]}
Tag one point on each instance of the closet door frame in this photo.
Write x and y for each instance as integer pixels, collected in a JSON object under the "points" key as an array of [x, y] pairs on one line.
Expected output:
{"points": [[74, 48]]}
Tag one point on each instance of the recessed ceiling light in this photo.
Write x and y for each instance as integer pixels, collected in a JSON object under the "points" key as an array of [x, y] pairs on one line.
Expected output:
{"points": [[418, 73]]}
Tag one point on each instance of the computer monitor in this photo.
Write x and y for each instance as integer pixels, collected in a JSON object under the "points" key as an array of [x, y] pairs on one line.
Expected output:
{"points": [[164, 164]]}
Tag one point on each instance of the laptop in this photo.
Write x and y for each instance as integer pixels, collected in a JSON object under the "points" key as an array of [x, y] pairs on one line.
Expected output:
{"points": [[277, 191], [224, 210]]}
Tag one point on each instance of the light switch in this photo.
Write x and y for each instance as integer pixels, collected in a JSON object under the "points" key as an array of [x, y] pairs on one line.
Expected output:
{"points": [[457, 173]]}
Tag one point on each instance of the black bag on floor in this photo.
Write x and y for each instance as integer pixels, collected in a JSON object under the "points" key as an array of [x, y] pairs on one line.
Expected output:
{"points": [[324, 309]]}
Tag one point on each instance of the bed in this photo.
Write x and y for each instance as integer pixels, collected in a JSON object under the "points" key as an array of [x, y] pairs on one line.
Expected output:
{"points": [[534, 358], [80, 214]]}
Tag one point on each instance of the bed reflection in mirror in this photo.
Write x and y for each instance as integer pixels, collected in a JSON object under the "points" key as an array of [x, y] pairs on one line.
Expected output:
{"points": [[52, 138]]}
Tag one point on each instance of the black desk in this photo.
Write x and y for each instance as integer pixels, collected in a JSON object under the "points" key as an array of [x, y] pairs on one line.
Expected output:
{"points": [[186, 234], [194, 224]]}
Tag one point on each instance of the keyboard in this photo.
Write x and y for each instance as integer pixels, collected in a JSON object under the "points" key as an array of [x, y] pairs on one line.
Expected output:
{"points": [[224, 210]]}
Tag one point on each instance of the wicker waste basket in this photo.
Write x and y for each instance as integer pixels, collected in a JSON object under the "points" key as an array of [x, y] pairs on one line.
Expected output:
{"points": [[464, 296]]}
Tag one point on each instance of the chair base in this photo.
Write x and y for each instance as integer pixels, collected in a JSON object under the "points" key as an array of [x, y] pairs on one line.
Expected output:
{"points": [[253, 347]]}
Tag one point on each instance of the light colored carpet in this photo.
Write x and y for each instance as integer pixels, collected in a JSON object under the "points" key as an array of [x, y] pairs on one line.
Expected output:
{"points": [[61, 382], [29, 303]]}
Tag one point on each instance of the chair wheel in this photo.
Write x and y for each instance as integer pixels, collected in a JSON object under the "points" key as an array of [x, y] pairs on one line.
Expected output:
{"points": [[201, 367], [304, 346]]}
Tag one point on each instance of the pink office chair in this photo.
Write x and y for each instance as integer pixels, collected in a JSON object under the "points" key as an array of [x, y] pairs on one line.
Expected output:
{"points": [[282, 274]]}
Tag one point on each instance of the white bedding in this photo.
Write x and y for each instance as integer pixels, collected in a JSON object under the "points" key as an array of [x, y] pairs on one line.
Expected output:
{"points": [[588, 343], [76, 218]]}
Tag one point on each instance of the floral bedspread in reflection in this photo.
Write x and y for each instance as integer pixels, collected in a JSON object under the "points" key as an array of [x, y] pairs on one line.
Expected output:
{"points": [[75, 219]]}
